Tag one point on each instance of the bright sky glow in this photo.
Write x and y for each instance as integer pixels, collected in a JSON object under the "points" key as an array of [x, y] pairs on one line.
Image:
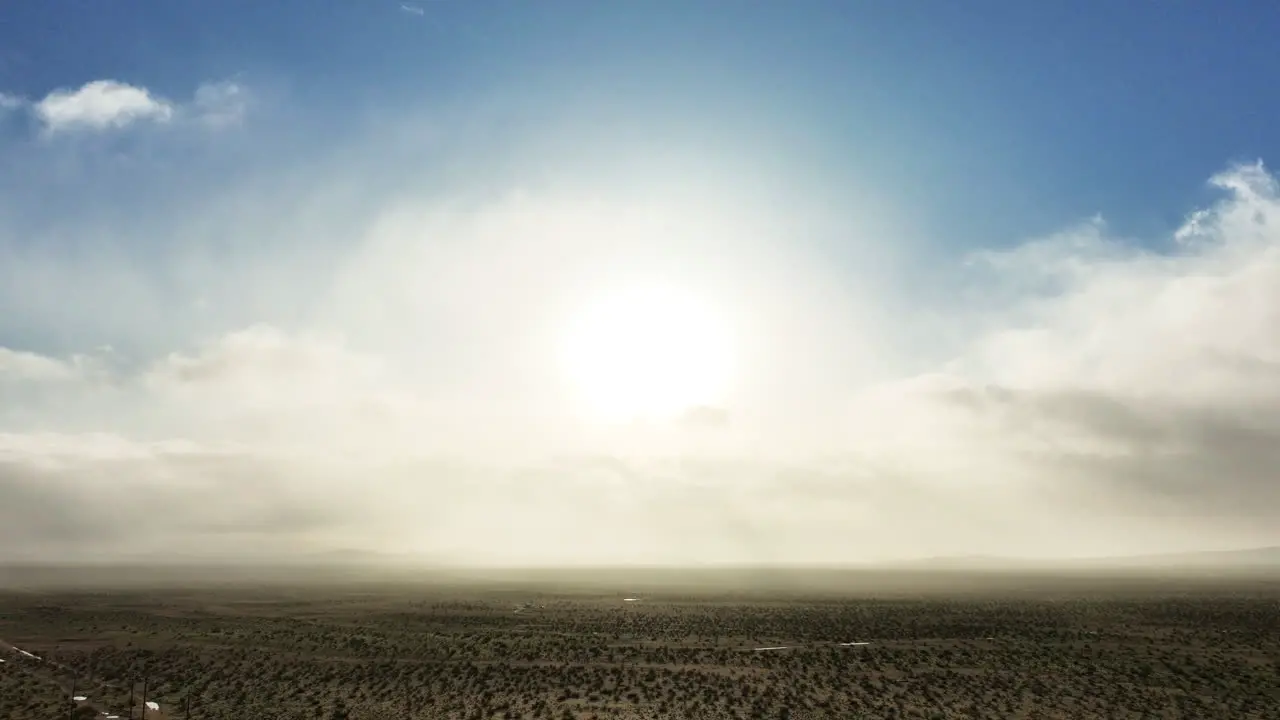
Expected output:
{"points": [[652, 281], [649, 353]]}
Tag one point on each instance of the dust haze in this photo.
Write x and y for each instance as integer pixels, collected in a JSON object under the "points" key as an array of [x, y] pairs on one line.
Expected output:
{"points": [[356, 353]]}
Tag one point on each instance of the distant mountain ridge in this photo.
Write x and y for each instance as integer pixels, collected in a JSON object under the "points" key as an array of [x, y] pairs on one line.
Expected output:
{"points": [[1259, 557], [1248, 557], [354, 559]]}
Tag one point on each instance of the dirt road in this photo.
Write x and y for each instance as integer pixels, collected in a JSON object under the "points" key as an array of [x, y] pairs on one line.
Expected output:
{"points": [[20, 660]]}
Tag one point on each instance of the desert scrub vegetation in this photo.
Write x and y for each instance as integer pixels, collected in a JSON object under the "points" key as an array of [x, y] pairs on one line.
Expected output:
{"points": [[425, 653]]}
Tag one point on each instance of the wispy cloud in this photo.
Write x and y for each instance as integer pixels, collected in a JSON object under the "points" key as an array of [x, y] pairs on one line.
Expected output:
{"points": [[221, 104], [411, 9]]}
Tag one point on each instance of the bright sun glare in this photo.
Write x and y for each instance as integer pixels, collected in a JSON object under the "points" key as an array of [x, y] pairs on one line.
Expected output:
{"points": [[650, 353]]}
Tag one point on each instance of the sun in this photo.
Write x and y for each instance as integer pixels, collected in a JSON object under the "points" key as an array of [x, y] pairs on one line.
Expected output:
{"points": [[648, 353]]}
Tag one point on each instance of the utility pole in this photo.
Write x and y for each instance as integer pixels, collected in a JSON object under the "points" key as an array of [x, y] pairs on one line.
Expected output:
{"points": [[188, 712], [133, 682], [71, 714], [144, 699]]}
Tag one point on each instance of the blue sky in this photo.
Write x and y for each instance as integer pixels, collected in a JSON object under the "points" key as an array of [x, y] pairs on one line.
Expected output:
{"points": [[1017, 257], [1001, 120]]}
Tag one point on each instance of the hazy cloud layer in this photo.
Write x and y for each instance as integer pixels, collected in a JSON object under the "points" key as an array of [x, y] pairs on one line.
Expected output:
{"points": [[319, 362]]}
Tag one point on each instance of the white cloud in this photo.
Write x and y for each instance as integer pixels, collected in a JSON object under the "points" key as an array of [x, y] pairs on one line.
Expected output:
{"points": [[101, 104], [1197, 323]]}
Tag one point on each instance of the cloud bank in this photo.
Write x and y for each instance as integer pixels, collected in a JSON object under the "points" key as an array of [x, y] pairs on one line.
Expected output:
{"points": [[328, 364]]}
